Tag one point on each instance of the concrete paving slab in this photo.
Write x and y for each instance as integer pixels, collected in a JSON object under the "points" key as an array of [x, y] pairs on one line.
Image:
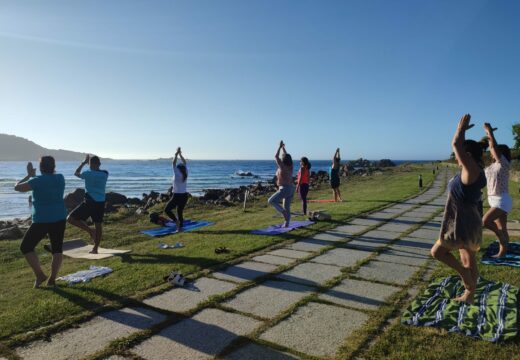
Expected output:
{"points": [[182, 299], [351, 229], [316, 329], [408, 220], [417, 215], [402, 206], [412, 250], [310, 245], [116, 357], [359, 294], [342, 257], [311, 274], [382, 235], [259, 352], [92, 335], [270, 298], [393, 210], [245, 271], [331, 235], [402, 257], [275, 260], [367, 244], [200, 337], [293, 254], [381, 215], [395, 227], [367, 222], [425, 234], [386, 272]]}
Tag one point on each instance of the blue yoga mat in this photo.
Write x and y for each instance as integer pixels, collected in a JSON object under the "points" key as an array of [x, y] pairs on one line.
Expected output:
{"points": [[280, 229], [512, 257], [172, 228]]}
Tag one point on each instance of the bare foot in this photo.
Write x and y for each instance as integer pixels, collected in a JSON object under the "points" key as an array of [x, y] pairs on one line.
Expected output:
{"points": [[467, 297], [501, 252], [39, 281]]}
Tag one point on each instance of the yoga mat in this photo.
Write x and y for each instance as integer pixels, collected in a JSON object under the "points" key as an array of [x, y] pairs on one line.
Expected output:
{"points": [[85, 275], [79, 249], [280, 229], [171, 228], [321, 201], [512, 257], [492, 316]]}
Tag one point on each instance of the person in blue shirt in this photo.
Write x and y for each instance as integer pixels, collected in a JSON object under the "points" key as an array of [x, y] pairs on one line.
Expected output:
{"points": [[94, 204], [48, 217]]}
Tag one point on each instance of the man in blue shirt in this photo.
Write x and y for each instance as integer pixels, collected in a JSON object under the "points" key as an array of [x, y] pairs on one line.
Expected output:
{"points": [[94, 204]]}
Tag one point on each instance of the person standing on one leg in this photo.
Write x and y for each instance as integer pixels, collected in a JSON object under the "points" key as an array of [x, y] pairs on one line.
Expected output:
{"points": [[180, 194], [420, 181], [93, 206], [48, 217], [285, 184], [461, 227], [334, 176], [302, 182], [500, 202]]}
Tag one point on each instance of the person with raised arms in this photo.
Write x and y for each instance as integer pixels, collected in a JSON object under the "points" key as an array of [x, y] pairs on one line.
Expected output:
{"points": [[93, 206], [284, 181], [461, 227], [48, 217], [334, 176], [500, 202], [179, 193], [302, 182]]}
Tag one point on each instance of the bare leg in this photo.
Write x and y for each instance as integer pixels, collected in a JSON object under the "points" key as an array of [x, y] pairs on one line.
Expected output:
{"points": [[55, 268], [83, 226], [444, 255], [469, 261], [339, 195], [34, 263], [97, 237], [496, 220]]}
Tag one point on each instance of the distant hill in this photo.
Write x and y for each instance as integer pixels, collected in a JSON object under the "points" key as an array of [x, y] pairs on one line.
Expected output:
{"points": [[14, 148]]}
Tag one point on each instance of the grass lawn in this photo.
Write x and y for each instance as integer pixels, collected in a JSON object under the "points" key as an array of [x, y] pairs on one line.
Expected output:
{"points": [[29, 313]]}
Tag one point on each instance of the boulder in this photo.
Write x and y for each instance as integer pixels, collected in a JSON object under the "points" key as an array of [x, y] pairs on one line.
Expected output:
{"points": [[113, 198], [11, 233], [74, 198]]}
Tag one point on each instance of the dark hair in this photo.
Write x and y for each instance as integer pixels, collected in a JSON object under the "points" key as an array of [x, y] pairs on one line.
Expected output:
{"points": [[504, 150], [475, 149], [306, 162], [95, 160], [484, 142], [183, 170], [47, 164], [287, 159]]}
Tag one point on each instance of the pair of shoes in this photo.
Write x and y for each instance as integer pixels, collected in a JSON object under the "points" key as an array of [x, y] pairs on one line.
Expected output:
{"points": [[222, 250], [175, 279]]}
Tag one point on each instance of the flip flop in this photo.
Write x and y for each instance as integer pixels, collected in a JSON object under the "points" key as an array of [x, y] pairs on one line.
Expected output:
{"points": [[222, 250], [176, 279]]}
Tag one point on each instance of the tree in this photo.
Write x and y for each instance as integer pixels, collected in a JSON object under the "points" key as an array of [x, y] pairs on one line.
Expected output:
{"points": [[516, 135]]}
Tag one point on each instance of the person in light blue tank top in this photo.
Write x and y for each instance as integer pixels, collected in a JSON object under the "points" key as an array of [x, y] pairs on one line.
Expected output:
{"points": [[48, 217], [94, 204]]}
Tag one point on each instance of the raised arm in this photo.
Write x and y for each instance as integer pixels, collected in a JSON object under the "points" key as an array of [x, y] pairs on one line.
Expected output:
{"points": [[277, 155], [493, 146], [175, 157], [77, 173], [470, 169], [336, 155], [23, 185], [182, 157]]}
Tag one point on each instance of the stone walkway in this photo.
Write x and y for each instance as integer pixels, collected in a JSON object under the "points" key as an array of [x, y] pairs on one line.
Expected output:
{"points": [[305, 299]]}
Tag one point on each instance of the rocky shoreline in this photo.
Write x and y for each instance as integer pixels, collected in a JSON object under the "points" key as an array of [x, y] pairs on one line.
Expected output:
{"points": [[15, 228]]}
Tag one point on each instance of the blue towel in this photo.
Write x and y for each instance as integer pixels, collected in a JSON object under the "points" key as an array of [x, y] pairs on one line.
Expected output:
{"points": [[86, 275], [512, 257], [172, 228], [280, 229]]}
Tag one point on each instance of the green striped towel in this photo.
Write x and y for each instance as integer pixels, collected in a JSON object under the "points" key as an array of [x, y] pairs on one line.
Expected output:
{"points": [[492, 316]]}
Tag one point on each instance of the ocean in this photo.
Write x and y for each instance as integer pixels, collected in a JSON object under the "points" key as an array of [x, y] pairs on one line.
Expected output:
{"points": [[135, 177]]}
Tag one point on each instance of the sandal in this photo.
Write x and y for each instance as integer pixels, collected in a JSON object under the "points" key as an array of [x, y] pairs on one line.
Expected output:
{"points": [[222, 250], [175, 279]]}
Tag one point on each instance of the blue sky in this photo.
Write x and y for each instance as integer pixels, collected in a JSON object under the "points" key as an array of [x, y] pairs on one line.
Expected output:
{"points": [[229, 79]]}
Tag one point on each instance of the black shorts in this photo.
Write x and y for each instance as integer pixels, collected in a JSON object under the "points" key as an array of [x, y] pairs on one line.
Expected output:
{"points": [[37, 232], [89, 209]]}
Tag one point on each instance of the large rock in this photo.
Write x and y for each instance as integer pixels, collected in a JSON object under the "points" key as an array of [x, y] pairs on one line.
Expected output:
{"points": [[113, 198], [11, 233], [74, 198]]}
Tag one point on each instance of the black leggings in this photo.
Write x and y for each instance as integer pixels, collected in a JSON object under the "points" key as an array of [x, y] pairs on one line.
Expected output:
{"points": [[304, 190], [177, 201], [37, 232]]}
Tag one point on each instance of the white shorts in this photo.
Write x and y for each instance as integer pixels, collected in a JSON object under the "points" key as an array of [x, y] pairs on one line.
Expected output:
{"points": [[502, 202]]}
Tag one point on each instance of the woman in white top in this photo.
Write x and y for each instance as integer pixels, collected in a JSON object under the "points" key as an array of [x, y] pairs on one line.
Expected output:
{"points": [[500, 202], [180, 195]]}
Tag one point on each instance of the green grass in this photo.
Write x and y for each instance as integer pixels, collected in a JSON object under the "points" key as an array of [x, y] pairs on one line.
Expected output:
{"points": [[139, 274], [409, 342]]}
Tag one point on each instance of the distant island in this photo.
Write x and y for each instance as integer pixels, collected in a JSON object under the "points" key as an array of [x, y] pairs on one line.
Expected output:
{"points": [[15, 148]]}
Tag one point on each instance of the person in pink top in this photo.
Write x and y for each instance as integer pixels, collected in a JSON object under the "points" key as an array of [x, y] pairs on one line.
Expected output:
{"points": [[500, 202], [302, 182], [285, 184]]}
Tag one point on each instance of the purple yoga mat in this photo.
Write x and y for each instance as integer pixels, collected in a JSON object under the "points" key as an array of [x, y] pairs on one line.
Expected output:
{"points": [[280, 229]]}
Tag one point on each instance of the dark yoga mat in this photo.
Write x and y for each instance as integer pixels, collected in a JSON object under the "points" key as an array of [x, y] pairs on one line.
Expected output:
{"points": [[171, 228], [512, 257], [280, 229]]}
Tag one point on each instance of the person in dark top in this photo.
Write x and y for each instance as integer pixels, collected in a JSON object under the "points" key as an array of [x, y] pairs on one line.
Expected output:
{"points": [[179, 197], [94, 204], [48, 217], [334, 176], [461, 227]]}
